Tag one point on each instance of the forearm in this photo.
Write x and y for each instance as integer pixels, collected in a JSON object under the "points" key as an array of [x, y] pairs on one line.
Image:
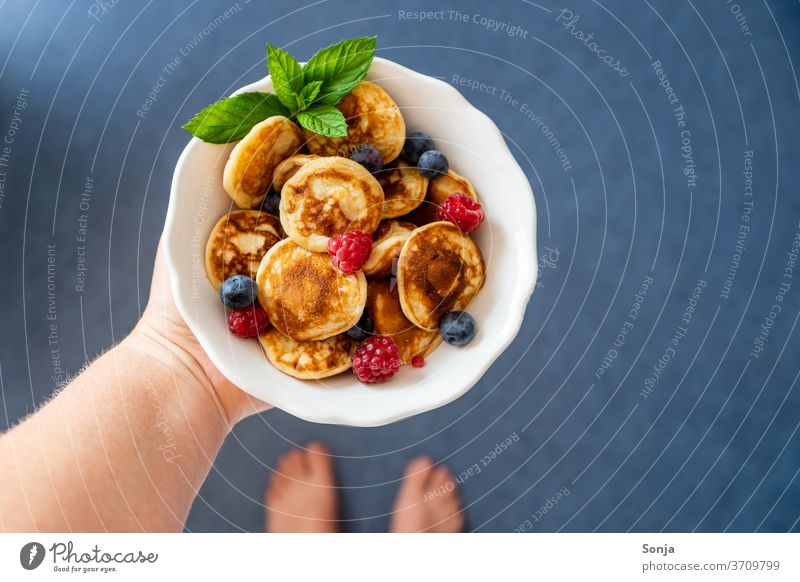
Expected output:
{"points": [[124, 447]]}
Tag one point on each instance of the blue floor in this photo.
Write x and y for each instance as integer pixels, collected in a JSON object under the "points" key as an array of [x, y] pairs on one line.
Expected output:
{"points": [[675, 190]]}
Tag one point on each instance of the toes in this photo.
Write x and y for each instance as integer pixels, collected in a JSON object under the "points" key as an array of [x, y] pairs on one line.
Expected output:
{"points": [[319, 461], [318, 448], [441, 477], [292, 464], [446, 513], [455, 523], [271, 494], [289, 469], [444, 502], [418, 471], [275, 485], [450, 505]]}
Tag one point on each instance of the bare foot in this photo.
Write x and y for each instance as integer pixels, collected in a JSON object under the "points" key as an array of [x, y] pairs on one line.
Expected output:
{"points": [[302, 494], [428, 500]]}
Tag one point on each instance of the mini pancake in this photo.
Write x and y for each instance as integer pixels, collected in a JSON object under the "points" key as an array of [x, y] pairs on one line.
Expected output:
{"points": [[439, 270], [248, 172], [372, 117], [305, 296], [383, 306], [237, 243], [329, 196], [308, 360], [387, 242], [404, 189], [438, 191], [288, 168], [274, 222]]}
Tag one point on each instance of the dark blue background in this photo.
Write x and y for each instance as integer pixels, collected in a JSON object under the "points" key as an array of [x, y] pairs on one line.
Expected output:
{"points": [[713, 447]]}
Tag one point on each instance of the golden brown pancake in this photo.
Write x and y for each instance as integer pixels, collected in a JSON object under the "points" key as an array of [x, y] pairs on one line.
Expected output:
{"points": [[404, 188], [387, 242], [438, 191], [305, 296], [383, 306], [308, 360], [248, 172], [372, 117], [288, 168], [237, 243], [329, 196], [274, 222], [439, 270]]}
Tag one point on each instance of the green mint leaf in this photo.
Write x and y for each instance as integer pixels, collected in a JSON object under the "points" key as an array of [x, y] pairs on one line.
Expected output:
{"points": [[310, 92], [232, 118], [287, 76], [323, 119], [340, 67]]}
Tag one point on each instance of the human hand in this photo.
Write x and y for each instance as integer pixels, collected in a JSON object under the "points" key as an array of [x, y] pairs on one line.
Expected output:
{"points": [[162, 327]]}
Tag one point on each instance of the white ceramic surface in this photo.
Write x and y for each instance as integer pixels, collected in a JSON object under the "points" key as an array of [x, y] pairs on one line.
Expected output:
{"points": [[507, 238]]}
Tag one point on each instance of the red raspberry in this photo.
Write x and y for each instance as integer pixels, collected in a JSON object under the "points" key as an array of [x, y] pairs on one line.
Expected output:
{"points": [[418, 361], [461, 210], [248, 321], [376, 360], [350, 250]]}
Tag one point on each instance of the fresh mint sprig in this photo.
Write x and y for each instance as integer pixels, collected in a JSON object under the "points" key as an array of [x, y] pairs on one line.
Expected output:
{"points": [[307, 93], [231, 119], [324, 120], [340, 67], [287, 76]]}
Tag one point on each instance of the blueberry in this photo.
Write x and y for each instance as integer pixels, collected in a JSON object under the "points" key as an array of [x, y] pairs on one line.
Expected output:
{"points": [[457, 328], [433, 164], [238, 291], [271, 202], [368, 156], [362, 330], [417, 143]]}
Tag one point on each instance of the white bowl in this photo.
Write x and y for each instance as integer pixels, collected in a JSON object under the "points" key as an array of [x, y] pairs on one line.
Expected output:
{"points": [[475, 149]]}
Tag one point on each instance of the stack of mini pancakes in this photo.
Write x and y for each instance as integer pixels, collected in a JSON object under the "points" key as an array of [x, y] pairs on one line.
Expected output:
{"points": [[419, 269]]}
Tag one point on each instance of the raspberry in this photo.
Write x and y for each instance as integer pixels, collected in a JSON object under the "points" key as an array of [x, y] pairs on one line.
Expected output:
{"points": [[461, 210], [376, 360], [350, 250], [418, 361], [248, 321]]}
